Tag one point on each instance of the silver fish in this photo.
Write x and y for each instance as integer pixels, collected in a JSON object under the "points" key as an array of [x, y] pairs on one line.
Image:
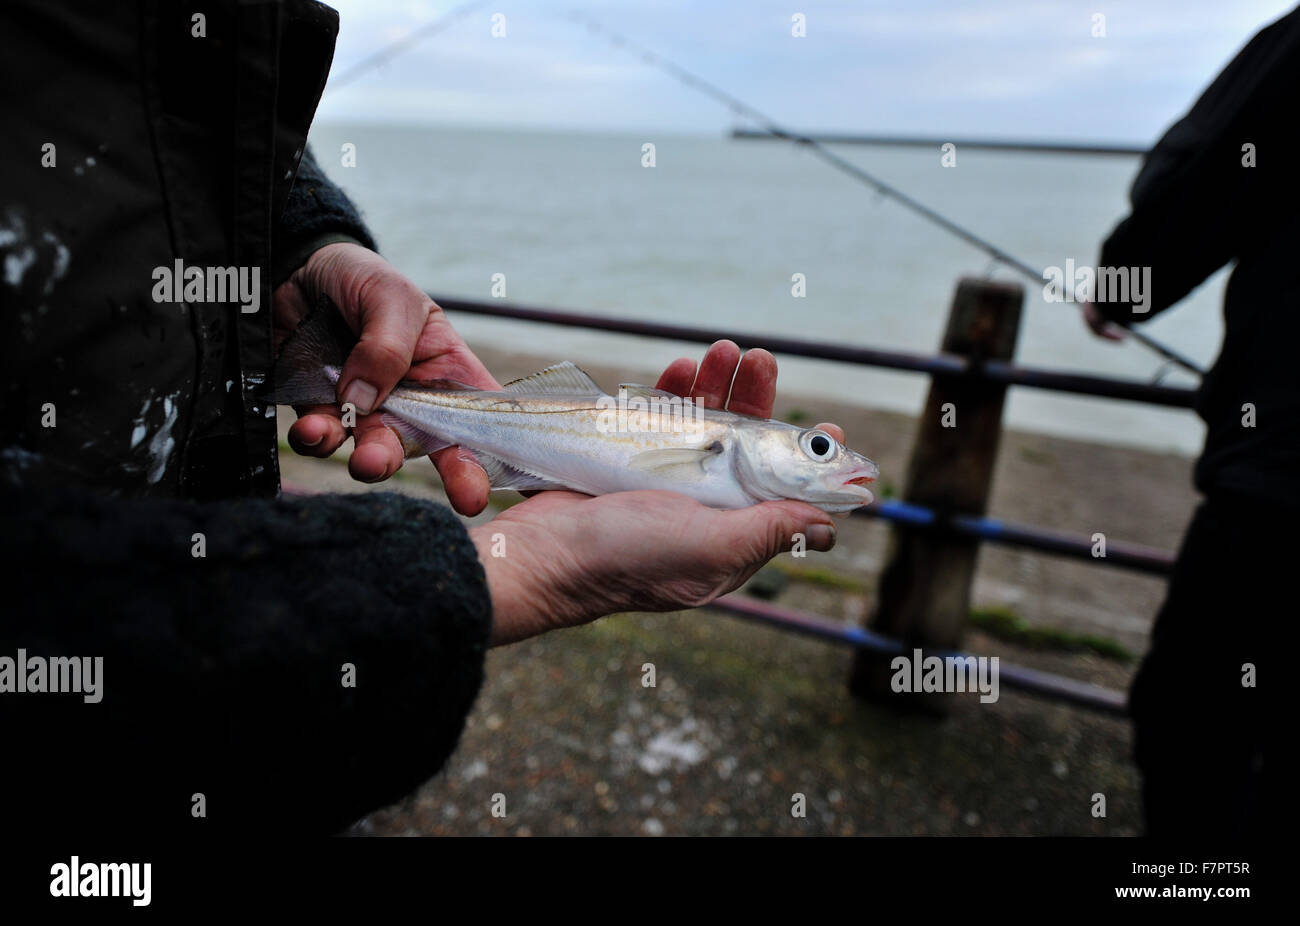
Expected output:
{"points": [[558, 429]]}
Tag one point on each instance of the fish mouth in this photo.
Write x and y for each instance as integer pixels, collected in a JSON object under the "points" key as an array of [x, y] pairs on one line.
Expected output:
{"points": [[853, 494], [856, 487], [862, 475]]}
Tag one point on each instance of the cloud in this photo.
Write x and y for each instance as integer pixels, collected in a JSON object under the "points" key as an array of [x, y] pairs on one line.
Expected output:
{"points": [[1016, 68]]}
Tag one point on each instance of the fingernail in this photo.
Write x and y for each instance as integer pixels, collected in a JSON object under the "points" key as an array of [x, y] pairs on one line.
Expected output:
{"points": [[313, 443], [362, 395], [821, 536]]}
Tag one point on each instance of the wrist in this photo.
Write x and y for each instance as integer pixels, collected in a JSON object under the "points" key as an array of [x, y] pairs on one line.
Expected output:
{"points": [[527, 598], [297, 255]]}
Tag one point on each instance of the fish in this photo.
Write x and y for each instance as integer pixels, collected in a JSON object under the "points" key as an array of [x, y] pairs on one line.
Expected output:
{"points": [[557, 429]]}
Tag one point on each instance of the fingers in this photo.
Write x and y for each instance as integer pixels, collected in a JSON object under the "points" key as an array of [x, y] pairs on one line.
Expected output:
{"points": [[392, 315], [749, 381], [778, 526], [401, 334], [463, 479], [717, 369], [834, 430], [378, 455], [754, 389], [754, 377], [679, 377], [378, 451], [318, 432]]}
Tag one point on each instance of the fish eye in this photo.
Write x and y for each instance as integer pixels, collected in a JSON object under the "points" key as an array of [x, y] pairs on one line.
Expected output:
{"points": [[819, 445]]}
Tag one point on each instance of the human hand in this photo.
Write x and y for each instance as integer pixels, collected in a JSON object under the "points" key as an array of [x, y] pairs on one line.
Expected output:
{"points": [[561, 558], [1102, 328], [403, 335], [744, 384]]}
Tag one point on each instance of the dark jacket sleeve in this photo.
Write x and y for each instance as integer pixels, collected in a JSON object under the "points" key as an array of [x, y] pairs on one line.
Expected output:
{"points": [[1196, 205], [316, 663], [316, 213]]}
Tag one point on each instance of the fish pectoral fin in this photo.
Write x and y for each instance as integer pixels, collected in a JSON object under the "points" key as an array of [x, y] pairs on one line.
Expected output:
{"points": [[560, 379], [646, 392], [660, 461], [503, 475], [415, 442]]}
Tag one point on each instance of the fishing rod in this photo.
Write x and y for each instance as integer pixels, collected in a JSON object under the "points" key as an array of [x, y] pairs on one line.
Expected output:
{"points": [[407, 41], [969, 144], [743, 109]]}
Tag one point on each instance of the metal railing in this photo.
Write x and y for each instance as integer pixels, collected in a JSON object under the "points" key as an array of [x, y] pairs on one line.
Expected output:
{"points": [[908, 515], [1118, 553]]}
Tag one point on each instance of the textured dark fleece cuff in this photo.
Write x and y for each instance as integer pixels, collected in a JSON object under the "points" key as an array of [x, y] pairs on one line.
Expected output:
{"points": [[315, 210], [228, 674]]}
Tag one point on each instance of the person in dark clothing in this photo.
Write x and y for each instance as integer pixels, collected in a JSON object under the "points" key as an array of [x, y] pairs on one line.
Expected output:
{"points": [[246, 659], [1218, 187]]}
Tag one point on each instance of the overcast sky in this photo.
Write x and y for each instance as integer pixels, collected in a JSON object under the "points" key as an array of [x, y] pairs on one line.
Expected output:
{"points": [[1021, 68]]}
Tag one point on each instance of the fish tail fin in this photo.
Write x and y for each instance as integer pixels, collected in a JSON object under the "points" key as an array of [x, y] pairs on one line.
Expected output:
{"points": [[312, 357]]}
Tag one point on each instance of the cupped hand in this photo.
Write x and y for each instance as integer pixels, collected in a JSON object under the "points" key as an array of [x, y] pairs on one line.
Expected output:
{"points": [[562, 558], [403, 334]]}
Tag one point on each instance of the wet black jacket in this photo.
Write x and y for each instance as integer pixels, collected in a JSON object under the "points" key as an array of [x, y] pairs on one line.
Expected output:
{"points": [[1196, 207], [137, 135]]}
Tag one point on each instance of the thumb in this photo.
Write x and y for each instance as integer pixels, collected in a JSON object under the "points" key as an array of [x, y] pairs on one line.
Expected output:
{"points": [[392, 315], [770, 528]]}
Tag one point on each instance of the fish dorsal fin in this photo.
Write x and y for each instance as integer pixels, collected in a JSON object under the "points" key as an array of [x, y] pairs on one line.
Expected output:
{"points": [[560, 379], [646, 392]]}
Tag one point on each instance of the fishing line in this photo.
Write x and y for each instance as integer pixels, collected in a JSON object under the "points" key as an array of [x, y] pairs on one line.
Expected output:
{"points": [[881, 187], [390, 51], [743, 109]]}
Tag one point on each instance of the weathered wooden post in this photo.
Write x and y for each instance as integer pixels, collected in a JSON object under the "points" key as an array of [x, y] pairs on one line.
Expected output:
{"points": [[924, 594]]}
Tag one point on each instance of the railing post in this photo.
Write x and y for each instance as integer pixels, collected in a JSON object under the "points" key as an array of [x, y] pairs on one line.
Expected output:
{"points": [[924, 593]]}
